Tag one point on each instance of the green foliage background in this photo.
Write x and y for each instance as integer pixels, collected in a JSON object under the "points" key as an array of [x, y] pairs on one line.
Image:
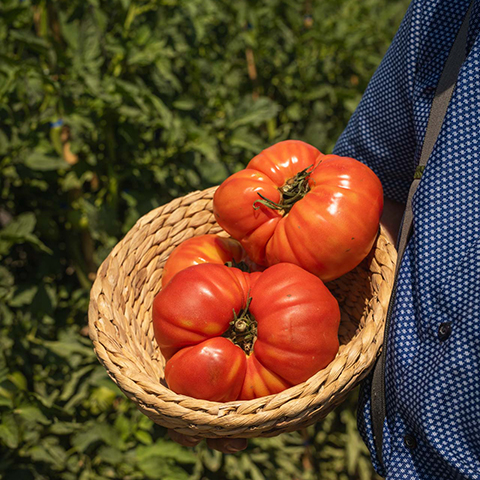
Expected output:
{"points": [[107, 110]]}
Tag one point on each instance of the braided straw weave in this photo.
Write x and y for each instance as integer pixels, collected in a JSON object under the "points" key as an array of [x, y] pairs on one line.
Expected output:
{"points": [[120, 326]]}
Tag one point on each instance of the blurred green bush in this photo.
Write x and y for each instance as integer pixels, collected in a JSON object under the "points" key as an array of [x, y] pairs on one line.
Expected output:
{"points": [[107, 110]]}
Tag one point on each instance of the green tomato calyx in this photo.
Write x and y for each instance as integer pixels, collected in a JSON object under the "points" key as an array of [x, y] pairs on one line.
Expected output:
{"points": [[243, 329], [294, 190]]}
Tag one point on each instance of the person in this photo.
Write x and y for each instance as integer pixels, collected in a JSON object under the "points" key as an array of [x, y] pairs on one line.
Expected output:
{"points": [[432, 373]]}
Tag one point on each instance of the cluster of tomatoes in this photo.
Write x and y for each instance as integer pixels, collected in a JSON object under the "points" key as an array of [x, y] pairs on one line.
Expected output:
{"points": [[249, 315]]}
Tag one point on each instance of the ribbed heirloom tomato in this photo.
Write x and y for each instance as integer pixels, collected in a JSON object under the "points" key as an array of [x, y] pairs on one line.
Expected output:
{"points": [[228, 334], [294, 204], [208, 248]]}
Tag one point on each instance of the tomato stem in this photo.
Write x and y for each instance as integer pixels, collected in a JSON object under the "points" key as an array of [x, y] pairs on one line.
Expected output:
{"points": [[294, 190], [243, 329], [240, 265]]}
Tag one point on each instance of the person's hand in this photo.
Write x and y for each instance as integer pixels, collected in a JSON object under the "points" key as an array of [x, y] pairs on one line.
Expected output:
{"points": [[224, 445]]}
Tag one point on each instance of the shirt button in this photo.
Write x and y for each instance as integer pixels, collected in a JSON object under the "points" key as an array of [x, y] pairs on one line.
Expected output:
{"points": [[444, 331], [409, 441]]}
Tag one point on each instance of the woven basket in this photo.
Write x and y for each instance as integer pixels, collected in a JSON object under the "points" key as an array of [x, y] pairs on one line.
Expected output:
{"points": [[120, 325]]}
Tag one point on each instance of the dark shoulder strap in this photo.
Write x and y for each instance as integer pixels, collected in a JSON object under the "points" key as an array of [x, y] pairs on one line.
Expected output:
{"points": [[443, 94]]}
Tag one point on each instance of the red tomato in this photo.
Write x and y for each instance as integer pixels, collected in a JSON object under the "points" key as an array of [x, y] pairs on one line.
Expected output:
{"points": [[259, 381], [294, 204], [217, 361], [209, 248], [284, 319]]}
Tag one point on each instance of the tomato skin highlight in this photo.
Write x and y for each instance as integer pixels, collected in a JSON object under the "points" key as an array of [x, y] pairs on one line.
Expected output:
{"points": [[212, 370], [208, 248], [284, 160], [287, 312], [327, 232]]}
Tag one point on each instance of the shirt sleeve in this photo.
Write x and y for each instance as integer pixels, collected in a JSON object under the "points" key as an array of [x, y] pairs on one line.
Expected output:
{"points": [[381, 131]]}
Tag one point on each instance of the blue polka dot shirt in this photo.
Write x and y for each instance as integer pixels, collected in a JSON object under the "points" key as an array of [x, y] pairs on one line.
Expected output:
{"points": [[432, 426]]}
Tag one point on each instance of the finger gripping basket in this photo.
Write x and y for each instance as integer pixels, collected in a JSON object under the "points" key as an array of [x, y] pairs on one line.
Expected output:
{"points": [[120, 326]]}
